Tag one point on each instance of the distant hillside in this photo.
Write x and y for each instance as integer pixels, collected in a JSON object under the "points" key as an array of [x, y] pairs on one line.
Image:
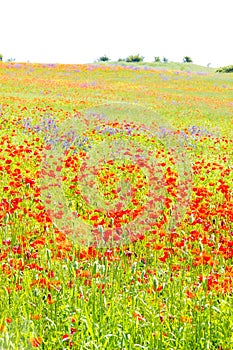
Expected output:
{"points": [[181, 66]]}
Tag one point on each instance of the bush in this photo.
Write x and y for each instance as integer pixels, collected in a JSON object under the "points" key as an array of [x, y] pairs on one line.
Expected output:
{"points": [[103, 59], [1, 57], [226, 69], [187, 59], [157, 59], [165, 60], [134, 58], [10, 59]]}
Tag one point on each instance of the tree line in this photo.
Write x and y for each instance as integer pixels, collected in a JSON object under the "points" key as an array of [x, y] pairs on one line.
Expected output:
{"points": [[138, 58]]}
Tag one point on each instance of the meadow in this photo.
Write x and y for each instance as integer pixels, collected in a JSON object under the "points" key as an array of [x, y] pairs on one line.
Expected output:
{"points": [[116, 225]]}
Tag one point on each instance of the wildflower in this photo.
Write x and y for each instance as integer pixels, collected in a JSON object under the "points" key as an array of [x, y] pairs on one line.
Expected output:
{"points": [[35, 342], [36, 317], [65, 337], [138, 316], [50, 300]]}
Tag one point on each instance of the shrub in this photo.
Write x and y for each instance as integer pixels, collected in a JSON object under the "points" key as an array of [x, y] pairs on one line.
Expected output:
{"points": [[103, 58], [226, 69], [1, 57], [165, 60], [187, 59], [157, 59], [11, 59], [134, 58]]}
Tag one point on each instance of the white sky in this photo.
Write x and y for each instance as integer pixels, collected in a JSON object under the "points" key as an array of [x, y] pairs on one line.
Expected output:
{"points": [[80, 31]]}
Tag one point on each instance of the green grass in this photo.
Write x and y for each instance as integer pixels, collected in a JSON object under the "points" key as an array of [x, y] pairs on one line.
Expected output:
{"points": [[181, 66]]}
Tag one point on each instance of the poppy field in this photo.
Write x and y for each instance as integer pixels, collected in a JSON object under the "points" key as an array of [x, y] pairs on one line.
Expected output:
{"points": [[116, 207]]}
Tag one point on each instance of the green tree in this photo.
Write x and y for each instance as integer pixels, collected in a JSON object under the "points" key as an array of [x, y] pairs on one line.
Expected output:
{"points": [[187, 59], [103, 59], [1, 57], [134, 58], [157, 59]]}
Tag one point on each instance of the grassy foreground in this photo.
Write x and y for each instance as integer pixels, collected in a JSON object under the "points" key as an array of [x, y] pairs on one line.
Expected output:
{"points": [[169, 287]]}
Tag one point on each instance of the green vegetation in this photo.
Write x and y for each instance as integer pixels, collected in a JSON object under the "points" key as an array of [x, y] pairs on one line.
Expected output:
{"points": [[179, 66], [226, 69], [134, 58], [103, 59], [187, 59], [157, 59]]}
